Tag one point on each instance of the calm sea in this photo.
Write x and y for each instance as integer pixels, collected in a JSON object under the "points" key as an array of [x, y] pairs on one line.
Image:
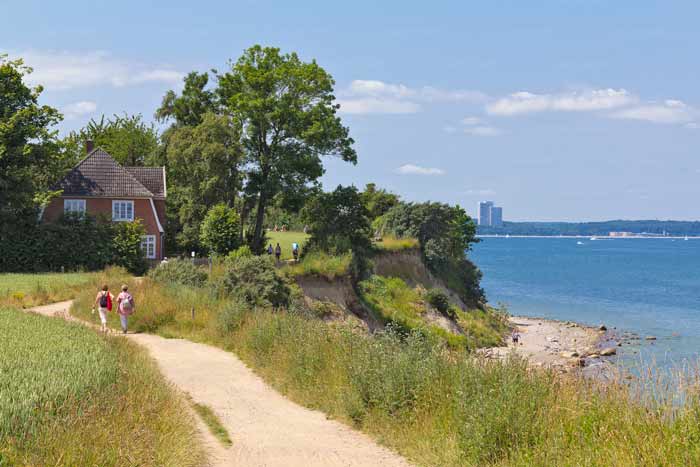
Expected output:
{"points": [[645, 286]]}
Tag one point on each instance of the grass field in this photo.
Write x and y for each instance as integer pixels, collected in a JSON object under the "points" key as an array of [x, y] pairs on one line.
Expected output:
{"points": [[27, 290], [437, 407], [69, 397], [285, 239]]}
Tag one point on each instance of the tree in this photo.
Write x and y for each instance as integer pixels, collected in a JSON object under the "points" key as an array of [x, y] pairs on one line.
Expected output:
{"points": [[287, 113], [338, 222], [378, 201], [203, 170], [128, 139], [127, 247], [189, 108], [221, 229], [28, 145]]}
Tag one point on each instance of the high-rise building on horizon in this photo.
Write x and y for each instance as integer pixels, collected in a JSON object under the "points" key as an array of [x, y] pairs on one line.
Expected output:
{"points": [[490, 215]]}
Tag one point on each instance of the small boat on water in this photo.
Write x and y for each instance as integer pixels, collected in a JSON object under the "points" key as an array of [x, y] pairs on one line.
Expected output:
{"points": [[579, 243], [685, 238], [594, 238]]}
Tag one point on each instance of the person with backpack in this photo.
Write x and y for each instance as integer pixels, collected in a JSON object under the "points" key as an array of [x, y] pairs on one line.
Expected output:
{"points": [[103, 303], [278, 252], [125, 306]]}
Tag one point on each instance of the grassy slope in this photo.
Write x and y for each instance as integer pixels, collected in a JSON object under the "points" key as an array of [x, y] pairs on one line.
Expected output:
{"points": [[75, 398], [437, 407], [27, 290]]}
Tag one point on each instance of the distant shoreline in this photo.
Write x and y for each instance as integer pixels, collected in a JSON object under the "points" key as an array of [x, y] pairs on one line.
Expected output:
{"points": [[590, 237]]}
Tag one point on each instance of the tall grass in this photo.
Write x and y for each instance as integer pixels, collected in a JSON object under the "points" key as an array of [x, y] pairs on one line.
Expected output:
{"points": [[27, 290], [320, 264], [69, 397], [441, 407], [390, 243]]}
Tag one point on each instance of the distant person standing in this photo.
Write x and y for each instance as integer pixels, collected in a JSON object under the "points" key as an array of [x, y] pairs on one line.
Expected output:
{"points": [[295, 251], [278, 252], [103, 303], [125, 306], [515, 337]]}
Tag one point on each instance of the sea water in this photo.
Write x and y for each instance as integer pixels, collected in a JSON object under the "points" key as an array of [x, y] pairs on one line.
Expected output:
{"points": [[650, 287]]}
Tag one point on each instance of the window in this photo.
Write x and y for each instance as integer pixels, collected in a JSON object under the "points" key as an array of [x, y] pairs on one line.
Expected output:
{"points": [[122, 210], [74, 206], [148, 245]]}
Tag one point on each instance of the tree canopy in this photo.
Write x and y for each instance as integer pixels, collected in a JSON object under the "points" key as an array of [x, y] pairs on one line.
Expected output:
{"points": [[28, 144], [285, 108]]}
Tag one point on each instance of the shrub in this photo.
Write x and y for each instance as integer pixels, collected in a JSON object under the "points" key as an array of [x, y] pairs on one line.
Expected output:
{"points": [[127, 247], [179, 271], [438, 300], [241, 252], [255, 280], [221, 230]]}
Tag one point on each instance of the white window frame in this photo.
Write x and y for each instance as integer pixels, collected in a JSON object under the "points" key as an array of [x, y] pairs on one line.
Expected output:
{"points": [[74, 206], [148, 245], [120, 210]]}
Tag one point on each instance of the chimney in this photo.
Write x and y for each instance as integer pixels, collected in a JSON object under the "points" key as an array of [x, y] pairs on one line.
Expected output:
{"points": [[89, 146]]}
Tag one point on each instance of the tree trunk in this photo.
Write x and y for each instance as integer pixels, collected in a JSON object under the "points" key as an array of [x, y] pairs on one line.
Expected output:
{"points": [[259, 218]]}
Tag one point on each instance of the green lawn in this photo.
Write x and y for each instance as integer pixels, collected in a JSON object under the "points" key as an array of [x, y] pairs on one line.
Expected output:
{"points": [[25, 290], [285, 239]]}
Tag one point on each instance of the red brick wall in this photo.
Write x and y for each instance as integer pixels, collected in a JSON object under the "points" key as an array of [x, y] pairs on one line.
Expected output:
{"points": [[96, 206]]}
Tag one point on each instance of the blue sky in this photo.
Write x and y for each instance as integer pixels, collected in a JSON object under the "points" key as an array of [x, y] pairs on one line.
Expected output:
{"points": [[556, 110]]}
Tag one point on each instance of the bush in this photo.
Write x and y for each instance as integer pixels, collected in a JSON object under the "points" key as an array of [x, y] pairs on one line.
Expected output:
{"points": [[179, 271], [255, 280], [241, 252], [127, 247], [438, 300], [221, 230]]}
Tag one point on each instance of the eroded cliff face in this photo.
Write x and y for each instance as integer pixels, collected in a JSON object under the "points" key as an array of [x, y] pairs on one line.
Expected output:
{"points": [[340, 294], [408, 266]]}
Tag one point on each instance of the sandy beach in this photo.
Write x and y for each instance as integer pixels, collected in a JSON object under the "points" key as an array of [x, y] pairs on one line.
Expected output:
{"points": [[558, 344]]}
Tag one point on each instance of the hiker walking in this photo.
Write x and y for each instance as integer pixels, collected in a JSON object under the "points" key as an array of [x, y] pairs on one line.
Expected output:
{"points": [[103, 303], [270, 250], [278, 252], [515, 337], [125, 306], [295, 251]]}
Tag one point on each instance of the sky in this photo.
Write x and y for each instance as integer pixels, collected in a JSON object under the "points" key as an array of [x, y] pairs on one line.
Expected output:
{"points": [[555, 109]]}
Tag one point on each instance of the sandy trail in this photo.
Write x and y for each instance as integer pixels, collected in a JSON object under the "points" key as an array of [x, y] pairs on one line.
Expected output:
{"points": [[266, 428]]}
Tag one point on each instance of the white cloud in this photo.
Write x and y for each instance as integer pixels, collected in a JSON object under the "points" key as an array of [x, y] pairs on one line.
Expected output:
{"points": [[471, 121], [581, 101], [374, 105], [78, 109], [373, 96], [482, 131], [670, 111], [411, 169], [692, 126], [61, 70]]}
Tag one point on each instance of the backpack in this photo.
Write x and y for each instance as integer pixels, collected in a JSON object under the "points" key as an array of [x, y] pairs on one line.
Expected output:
{"points": [[104, 299], [128, 303]]}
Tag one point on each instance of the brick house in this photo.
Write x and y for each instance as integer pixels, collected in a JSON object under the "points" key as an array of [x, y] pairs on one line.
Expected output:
{"points": [[99, 185]]}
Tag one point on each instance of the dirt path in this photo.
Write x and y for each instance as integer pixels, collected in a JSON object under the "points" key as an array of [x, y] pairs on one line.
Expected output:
{"points": [[266, 428]]}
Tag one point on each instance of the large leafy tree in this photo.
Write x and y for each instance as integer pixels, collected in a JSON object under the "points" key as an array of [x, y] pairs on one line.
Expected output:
{"points": [[28, 146], [378, 201], [127, 138], [189, 107], [285, 108], [203, 170]]}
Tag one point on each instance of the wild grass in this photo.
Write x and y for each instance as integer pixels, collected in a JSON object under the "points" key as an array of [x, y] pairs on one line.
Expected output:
{"points": [[213, 423], [27, 290], [70, 397], [441, 407], [320, 264], [390, 243]]}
